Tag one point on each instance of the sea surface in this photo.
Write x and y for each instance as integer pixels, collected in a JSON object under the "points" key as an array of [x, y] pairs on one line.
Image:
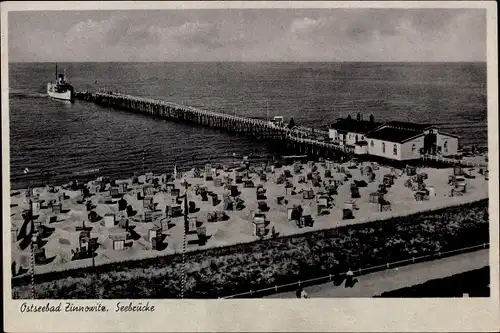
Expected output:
{"points": [[53, 136]]}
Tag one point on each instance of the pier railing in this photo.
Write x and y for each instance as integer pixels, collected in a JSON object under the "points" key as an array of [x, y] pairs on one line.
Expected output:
{"points": [[335, 277], [314, 131], [454, 161], [298, 135]]}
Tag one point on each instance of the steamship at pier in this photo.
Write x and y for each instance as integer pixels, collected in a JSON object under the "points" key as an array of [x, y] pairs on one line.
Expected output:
{"points": [[62, 89]]}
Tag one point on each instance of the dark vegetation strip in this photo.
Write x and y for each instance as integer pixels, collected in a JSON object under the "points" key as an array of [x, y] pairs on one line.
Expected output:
{"points": [[239, 268]]}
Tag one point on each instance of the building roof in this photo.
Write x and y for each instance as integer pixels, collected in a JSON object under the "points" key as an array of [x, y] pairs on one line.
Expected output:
{"points": [[392, 131], [408, 126], [352, 125], [448, 134], [392, 134]]}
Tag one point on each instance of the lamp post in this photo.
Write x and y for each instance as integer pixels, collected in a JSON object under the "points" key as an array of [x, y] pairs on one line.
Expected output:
{"points": [[32, 245], [143, 158], [33, 238], [184, 236]]}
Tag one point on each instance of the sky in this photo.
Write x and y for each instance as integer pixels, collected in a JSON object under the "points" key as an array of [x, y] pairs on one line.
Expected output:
{"points": [[337, 34]]}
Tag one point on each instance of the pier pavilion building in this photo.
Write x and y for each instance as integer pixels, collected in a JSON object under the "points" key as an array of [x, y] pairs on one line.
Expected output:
{"points": [[394, 140]]}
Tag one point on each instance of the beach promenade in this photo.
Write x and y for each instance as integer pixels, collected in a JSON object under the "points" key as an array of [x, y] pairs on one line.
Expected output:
{"points": [[374, 284]]}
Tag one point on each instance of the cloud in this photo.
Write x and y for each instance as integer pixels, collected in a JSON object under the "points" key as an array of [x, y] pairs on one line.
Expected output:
{"points": [[138, 40], [392, 35], [109, 32], [197, 34], [255, 35]]}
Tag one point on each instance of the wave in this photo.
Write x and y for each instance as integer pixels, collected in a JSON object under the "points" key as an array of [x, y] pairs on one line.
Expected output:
{"points": [[31, 95]]}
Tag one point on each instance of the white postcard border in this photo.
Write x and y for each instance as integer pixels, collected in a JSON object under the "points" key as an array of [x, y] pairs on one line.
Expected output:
{"points": [[269, 315]]}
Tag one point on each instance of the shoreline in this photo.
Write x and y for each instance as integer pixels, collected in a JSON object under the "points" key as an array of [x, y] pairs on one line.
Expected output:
{"points": [[86, 175]]}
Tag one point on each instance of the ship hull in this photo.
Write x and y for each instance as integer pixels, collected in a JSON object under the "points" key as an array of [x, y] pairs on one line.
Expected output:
{"points": [[65, 96]]}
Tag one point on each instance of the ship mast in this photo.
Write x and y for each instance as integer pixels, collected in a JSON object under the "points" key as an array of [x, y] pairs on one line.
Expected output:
{"points": [[56, 72]]}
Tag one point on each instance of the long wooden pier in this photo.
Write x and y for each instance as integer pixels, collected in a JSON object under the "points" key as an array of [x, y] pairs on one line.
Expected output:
{"points": [[300, 139]]}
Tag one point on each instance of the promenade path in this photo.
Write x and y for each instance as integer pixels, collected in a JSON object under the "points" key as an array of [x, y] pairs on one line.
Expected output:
{"points": [[374, 284]]}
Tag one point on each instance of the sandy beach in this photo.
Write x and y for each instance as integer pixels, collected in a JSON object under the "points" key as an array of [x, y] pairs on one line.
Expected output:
{"points": [[62, 230]]}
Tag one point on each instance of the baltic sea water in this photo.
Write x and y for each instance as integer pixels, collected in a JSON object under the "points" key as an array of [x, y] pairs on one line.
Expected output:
{"points": [[67, 138]]}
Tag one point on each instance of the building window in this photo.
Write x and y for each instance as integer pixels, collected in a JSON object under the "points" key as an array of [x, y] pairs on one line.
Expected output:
{"points": [[413, 147], [356, 138], [383, 147], [445, 146], [371, 143], [395, 150]]}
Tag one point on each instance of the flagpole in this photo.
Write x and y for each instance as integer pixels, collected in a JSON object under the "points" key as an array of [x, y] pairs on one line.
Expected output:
{"points": [[267, 111]]}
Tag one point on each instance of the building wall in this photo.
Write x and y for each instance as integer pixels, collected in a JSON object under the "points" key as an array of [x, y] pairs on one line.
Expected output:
{"points": [[332, 133], [405, 151], [377, 149], [360, 150], [451, 147], [350, 137], [411, 149]]}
